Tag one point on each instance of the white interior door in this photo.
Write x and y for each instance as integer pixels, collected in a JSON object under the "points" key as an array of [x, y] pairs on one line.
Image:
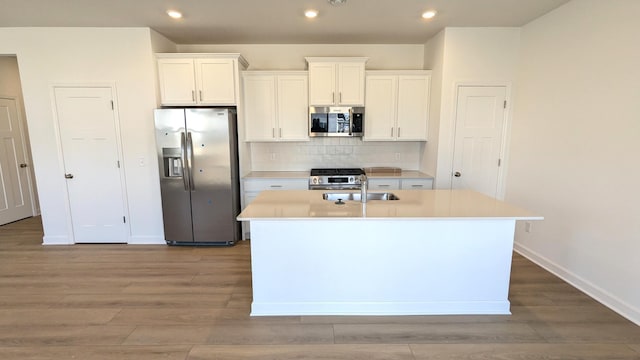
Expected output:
{"points": [[480, 120], [15, 194], [88, 135]]}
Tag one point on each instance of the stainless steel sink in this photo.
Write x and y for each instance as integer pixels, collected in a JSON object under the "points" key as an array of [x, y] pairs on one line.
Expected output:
{"points": [[355, 196]]}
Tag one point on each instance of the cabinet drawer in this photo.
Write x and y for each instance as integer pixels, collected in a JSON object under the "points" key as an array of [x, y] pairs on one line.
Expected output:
{"points": [[417, 184], [384, 184], [276, 184]]}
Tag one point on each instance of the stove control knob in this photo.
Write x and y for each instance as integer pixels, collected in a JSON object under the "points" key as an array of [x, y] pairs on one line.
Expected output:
{"points": [[351, 179], [315, 180]]}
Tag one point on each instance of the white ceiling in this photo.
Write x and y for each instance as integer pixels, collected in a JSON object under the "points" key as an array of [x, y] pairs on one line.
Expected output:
{"points": [[278, 21]]}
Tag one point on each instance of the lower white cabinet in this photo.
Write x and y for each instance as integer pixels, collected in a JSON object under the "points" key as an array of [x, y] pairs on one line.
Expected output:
{"points": [[384, 184], [253, 187], [417, 184]]}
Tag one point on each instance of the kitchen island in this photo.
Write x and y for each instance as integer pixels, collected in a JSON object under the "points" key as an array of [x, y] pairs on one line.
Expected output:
{"points": [[430, 252]]}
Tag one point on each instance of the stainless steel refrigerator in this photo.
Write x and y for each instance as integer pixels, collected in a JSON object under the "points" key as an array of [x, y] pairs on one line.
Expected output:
{"points": [[199, 177]]}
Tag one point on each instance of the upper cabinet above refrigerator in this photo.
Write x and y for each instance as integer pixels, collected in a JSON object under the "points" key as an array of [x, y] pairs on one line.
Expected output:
{"points": [[199, 79], [336, 81]]}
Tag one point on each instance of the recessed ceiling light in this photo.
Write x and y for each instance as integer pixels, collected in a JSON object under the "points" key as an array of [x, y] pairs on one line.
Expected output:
{"points": [[429, 14], [311, 13], [174, 14]]}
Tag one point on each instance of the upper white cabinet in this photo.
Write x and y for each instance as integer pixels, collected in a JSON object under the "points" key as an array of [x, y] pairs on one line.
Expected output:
{"points": [[199, 79], [397, 105], [276, 105], [336, 81]]}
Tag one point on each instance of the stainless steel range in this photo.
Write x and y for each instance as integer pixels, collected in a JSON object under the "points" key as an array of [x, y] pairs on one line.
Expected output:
{"points": [[335, 179]]}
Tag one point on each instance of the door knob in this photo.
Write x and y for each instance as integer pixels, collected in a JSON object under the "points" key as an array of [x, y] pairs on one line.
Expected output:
{"points": [[457, 174], [68, 176], [23, 165]]}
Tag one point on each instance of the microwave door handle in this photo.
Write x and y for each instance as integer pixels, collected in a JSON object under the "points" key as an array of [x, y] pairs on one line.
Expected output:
{"points": [[350, 120]]}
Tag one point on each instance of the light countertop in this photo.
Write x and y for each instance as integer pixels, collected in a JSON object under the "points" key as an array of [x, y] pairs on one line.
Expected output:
{"points": [[412, 205]]}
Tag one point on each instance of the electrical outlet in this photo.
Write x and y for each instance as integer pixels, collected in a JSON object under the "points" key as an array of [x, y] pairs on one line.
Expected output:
{"points": [[141, 161], [527, 226], [272, 156]]}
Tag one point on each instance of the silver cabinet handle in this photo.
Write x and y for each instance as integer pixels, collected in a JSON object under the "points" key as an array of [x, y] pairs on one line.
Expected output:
{"points": [[391, 132], [273, 133], [200, 95], [68, 176], [23, 165], [275, 186], [193, 95], [333, 97], [280, 132], [398, 131], [340, 97], [416, 186], [457, 174]]}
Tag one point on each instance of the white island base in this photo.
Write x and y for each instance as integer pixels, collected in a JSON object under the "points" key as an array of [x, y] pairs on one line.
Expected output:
{"points": [[381, 267]]}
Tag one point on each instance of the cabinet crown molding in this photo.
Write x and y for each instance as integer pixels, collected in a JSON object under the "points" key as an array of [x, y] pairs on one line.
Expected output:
{"points": [[241, 60], [336, 59]]}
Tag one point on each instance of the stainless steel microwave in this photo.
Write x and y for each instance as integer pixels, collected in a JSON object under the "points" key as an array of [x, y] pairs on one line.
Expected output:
{"points": [[336, 121]]}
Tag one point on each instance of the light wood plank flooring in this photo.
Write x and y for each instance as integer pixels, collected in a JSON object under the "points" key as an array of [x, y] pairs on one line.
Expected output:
{"points": [[157, 302]]}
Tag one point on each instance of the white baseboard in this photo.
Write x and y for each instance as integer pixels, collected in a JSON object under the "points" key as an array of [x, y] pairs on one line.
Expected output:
{"points": [[606, 298], [57, 240], [380, 308], [147, 240]]}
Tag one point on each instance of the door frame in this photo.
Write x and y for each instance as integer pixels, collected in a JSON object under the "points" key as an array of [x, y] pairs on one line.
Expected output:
{"points": [[60, 153], [505, 136], [26, 148]]}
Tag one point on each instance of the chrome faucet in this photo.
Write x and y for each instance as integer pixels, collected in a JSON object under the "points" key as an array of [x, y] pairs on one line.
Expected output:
{"points": [[364, 184]]}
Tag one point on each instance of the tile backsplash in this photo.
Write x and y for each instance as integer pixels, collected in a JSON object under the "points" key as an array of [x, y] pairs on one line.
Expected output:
{"points": [[333, 152]]}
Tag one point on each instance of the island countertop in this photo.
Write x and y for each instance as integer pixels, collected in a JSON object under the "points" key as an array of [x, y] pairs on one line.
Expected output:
{"points": [[412, 205]]}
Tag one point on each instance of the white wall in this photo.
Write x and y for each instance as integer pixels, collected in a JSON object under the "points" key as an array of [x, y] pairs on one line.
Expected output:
{"points": [[575, 145], [434, 61], [471, 56], [10, 86], [123, 57]]}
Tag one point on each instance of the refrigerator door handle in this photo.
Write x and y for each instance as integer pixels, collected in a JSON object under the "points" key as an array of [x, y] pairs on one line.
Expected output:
{"points": [[190, 160], [183, 159]]}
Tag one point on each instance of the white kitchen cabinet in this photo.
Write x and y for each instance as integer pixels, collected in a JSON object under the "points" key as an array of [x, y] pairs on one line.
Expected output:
{"points": [[253, 186], [397, 105], [384, 184], [276, 105], [416, 184], [336, 81], [199, 79]]}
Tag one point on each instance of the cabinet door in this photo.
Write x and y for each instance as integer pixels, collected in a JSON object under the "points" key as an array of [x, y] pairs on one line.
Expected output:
{"points": [[216, 81], [384, 184], [417, 184], [413, 107], [177, 81], [380, 107], [322, 84], [293, 107], [350, 84], [260, 107]]}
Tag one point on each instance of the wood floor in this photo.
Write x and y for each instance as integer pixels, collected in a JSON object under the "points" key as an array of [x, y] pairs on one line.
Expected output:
{"points": [[157, 302]]}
